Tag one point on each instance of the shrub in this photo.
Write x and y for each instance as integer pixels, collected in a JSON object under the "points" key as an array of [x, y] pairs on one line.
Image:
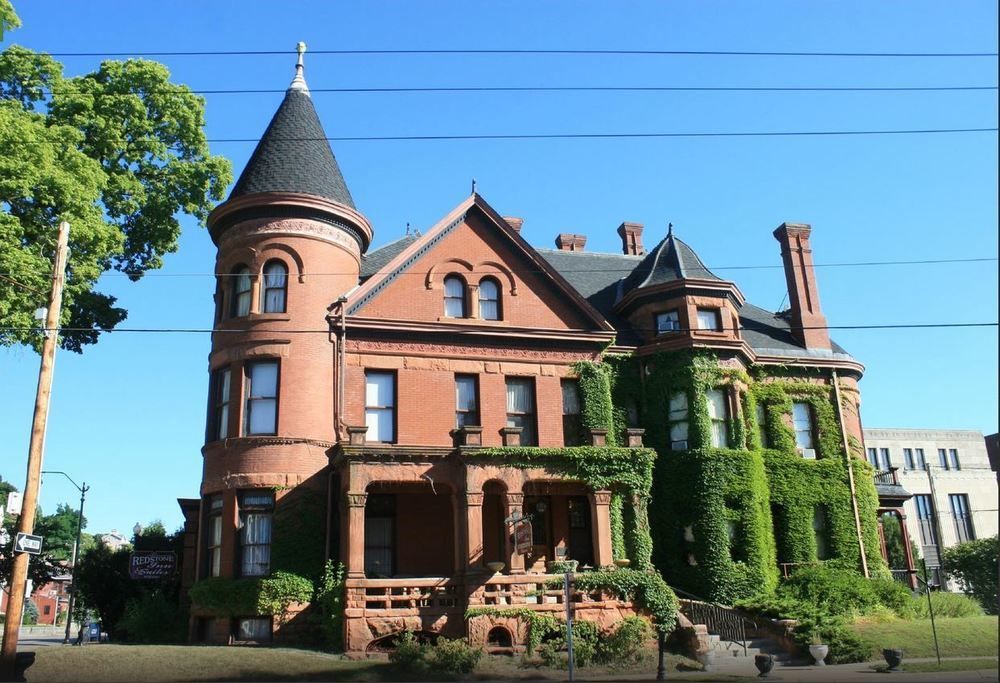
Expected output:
{"points": [[152, 618], [893, 595], [833, 591], [945, 605], [625, 645], [330, 600], [846, 646], [409, 654], [453, 656], [974, 563], [30, 613]]}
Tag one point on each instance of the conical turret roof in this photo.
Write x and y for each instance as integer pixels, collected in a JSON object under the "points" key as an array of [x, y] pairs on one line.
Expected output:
{"points": [[669, 260], [294, 155]]}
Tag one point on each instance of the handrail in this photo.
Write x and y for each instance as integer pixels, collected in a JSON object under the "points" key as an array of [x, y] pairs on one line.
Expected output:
{"points": [[722, 620]]}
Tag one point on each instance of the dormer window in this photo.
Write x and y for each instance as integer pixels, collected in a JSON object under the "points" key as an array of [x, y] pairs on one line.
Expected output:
{"points": [[668, 321], [241, 291], [454, 297], [709, 319], [489, 299], [274, 292]]}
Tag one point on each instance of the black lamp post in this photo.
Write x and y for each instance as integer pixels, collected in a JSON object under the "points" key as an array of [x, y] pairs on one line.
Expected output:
{"points": [[76, 549]]}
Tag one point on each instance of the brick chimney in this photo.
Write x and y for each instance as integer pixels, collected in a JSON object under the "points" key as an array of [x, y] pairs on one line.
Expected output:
{"points": [[514, 222], [569, 242], [631, 234], [803, 295]]}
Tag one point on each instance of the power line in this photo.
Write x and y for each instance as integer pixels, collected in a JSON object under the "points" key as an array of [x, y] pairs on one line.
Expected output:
{"points": [[465, 332], [503, 51], [572, 136], [548, 88], [859, 264]]}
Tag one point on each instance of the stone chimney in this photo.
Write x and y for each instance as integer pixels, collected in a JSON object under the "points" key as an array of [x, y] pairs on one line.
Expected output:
{"points": [[631, 234], [803, 294], [570, 242], [514, 222]]}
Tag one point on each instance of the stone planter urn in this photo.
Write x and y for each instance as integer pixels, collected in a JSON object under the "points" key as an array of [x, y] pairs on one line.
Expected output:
{"points": [[819, 653], [495, 567], [893, 657], [623, 562], [764, 664]]}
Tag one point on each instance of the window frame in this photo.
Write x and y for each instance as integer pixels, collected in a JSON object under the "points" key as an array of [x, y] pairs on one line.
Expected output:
{"points": [[529, 430], [953, 459], [716, 314], [961, 513], [249, 399], [943, 458], [665, 315], [812, 427], [908, 462], [497, 301], [391, 408], [673, 422], [213, 546], [572, 423], [265, 289], [455, 277], [473, 413], [220, 402], [921, 458], [760, 415], [715, 420], [924, 504], [885, 459], [236, 295], [263, 510]]}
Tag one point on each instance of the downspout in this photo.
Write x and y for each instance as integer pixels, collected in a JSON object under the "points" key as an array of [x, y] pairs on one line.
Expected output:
{"points": [[339, 338], [850, 474]]}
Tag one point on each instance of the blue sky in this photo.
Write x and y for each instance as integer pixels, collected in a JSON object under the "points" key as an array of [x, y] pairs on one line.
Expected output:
{"points": [[128, 415]]}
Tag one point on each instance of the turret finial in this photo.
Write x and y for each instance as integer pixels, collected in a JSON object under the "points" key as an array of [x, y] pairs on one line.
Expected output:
{"points": [[299, 82], [670, 229]]}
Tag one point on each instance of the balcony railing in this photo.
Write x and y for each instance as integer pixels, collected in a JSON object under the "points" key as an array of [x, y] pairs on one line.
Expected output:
{"points": [[424, 594], [887, 477]]}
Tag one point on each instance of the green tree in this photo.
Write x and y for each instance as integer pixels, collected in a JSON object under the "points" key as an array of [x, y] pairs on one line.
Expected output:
{"points": [[119, 153], [59, 533], [974, 563]]}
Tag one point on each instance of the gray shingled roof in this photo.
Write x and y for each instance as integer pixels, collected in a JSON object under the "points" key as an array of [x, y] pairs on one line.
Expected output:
{"points": [[376, 260], [669, 260], [294, 156]]}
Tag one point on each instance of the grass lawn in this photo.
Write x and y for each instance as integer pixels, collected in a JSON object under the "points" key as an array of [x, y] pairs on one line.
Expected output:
{"points": [[953, 665], [958, 637], [166, 663]]}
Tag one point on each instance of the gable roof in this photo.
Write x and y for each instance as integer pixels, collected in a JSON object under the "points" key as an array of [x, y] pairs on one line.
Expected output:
{"points": [[376, 260], [294, 155]]}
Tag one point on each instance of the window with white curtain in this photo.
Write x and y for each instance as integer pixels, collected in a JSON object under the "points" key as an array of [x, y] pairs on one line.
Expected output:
{"points": [[241, 291], [213, 539], [489, 299], [454, 297], [709, 319], [668, 322], [466, 400], [718, 413], [803, 424], [261, 392], [678, 420], [521, 408], [275, 287], [380, 406], [256, 512]]}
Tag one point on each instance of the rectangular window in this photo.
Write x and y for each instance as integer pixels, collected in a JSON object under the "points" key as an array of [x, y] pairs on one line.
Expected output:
{"points": [[668, 322], [925, 518], [256, 511], [963, 518], [521, 408], [718, 412], [709, 319], [803, 424], [884, 461], [921, 460], [466, 400], [213, 536], [819, 532], [678, 420], [572, 413], [261, 391], [762, 425], [380, 535], [943, 458], [908, 462], [873, 457], [380, 406], [953, 458], [218, 422]]}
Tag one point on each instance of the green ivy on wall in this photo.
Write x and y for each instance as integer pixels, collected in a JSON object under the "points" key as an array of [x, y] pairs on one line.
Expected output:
{"points": [[627, 472], [270, 595], [298, 538]]}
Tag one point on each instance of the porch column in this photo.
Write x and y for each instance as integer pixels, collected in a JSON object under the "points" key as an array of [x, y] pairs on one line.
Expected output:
{"points": [[515, 503], [473, 531], [602, 528], [911, 578], [356, 535]]}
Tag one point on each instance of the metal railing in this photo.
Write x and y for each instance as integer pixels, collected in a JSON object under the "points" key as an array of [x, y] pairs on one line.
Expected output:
{"points": [[887, 477], [721, 620]]}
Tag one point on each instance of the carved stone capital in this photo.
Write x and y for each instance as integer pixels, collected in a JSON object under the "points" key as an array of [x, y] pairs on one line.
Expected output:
{"points": [[356, 500], [357, 435], [473, 499], [602, 497], [515, 500]]}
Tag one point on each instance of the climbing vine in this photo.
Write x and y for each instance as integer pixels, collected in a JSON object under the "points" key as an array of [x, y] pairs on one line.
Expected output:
{"points": [[271, 595]]}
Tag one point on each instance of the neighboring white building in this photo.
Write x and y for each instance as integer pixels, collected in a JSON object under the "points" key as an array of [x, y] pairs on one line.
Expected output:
{"points": [[948, 472], [114, 539]]}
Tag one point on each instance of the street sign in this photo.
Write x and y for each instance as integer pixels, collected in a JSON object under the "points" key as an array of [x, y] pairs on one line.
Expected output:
{"points": [[522, 538], [14, 500], [26, 543], [147, 565]]}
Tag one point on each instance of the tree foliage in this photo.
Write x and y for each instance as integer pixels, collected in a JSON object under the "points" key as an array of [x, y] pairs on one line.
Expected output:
{"points": [[974, 563], [119, 153]]}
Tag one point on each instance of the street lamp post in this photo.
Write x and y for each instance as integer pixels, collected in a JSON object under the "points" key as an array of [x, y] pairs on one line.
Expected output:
{"points": [[76, 550]]}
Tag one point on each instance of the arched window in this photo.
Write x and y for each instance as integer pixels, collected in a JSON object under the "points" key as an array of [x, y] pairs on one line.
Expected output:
{"points": [[454, 297], [489, 299], [241, 291], [275, 287]]}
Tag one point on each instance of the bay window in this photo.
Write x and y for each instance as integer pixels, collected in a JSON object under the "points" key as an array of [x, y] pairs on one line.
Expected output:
{"points": [[256, 513], [260, 411]]}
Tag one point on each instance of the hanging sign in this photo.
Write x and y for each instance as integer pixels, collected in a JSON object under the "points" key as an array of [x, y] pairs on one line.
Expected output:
{"points": [[152, 564], [522, 537]]}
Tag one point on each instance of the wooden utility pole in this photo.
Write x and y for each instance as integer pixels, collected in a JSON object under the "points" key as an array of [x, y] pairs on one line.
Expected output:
{"points": [[36, 451]]}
